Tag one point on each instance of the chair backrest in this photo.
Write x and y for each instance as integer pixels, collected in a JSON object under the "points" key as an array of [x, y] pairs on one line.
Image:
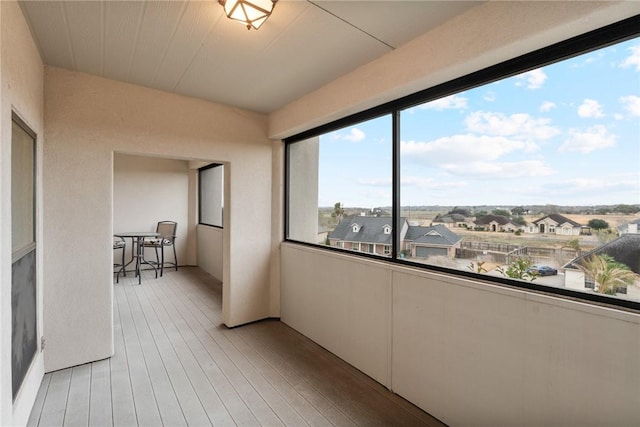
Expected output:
{"points": [[167, 230]]}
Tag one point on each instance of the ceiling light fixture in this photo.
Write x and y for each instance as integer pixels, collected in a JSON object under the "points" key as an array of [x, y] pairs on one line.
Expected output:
{"points": [[251, 13]]}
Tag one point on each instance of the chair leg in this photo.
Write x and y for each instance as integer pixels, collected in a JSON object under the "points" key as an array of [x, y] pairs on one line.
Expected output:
{"points": [[155, 248], [162, 255], [156, 262], [121, 269], [175, 257], [124, 270]]}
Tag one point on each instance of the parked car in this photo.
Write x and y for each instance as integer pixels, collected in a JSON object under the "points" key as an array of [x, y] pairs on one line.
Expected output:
{"points": [[542, 270]]}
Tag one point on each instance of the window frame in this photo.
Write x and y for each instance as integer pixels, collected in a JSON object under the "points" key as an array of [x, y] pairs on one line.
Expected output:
{"points": [[600, 38], [204, 168], [19, 252], [22, 255]]}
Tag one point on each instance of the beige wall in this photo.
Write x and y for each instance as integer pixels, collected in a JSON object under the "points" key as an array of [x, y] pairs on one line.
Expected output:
{"points": [[303, 190], [210, 254], [87, 120], [342, 303], [21, 90], [466, 352], [277, 222], [151, 189]]}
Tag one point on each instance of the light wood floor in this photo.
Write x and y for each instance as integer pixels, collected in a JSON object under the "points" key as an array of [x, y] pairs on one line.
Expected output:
{"points": [[176, 364]]}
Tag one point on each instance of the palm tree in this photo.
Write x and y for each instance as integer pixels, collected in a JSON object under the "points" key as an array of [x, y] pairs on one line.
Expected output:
{"points": [[608, 274]]}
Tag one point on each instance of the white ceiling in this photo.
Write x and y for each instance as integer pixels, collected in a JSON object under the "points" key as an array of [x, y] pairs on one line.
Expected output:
{"points": [[191, 48]]}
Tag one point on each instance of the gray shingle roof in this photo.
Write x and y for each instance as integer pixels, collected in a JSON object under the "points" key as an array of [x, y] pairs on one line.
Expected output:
{"points": [[450, 218], [444, 220], [371, 230], [434, 235], [559, 219], [500, 219]]}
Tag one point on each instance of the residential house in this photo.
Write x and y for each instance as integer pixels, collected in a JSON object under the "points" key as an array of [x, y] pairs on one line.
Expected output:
{"points": [[632, 227], [323, 233], [492, 222], [625, 249], [128, 99], [369, 234], [373, 235], [453, 220], [437, 240], [556, 224]]}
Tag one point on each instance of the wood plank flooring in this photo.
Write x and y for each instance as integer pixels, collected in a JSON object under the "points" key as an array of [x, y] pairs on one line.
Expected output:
{"points": [[176, 364]]}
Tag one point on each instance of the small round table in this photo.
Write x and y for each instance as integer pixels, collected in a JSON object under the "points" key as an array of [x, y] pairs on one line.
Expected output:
{"points": [[137, 240]]}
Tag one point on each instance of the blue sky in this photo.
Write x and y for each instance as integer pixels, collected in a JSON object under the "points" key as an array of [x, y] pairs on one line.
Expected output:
{"points": [[566, 134]]}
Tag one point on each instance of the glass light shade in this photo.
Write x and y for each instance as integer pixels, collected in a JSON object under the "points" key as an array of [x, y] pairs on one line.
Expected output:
{"points": [[251, 13]]}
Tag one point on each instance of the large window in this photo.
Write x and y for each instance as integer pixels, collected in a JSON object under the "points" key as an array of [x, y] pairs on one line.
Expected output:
{"points": [[526, 173], [340, 187], [512, 175], [211, 194]]}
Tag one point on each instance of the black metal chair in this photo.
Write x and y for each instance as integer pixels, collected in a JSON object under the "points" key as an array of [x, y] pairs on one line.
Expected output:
{"points": [[119, 244], [167, 237]]}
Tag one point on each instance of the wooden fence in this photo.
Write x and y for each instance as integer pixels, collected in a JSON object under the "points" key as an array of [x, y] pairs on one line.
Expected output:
{"points": [[503, 253]]}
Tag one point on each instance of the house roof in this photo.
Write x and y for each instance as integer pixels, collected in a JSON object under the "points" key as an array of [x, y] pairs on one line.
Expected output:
{"points": [[626, 225], [624, 249], [558, 219], [443, 220], [488, 219], [434, 235], [371, 229], [450, 218]]}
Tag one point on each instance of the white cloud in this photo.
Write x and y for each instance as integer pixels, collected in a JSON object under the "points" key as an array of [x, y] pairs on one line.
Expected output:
{"points": [[633, 60], [547, 106], [631, 104], [459, 149], [590, 109], [473, 155], [594, 138], [518, 126], [615, 186], [354, 135], [533, 79], [504, 170], [447, 103], [425, 183], [581, 184], [490, 96], [591, 59]]}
